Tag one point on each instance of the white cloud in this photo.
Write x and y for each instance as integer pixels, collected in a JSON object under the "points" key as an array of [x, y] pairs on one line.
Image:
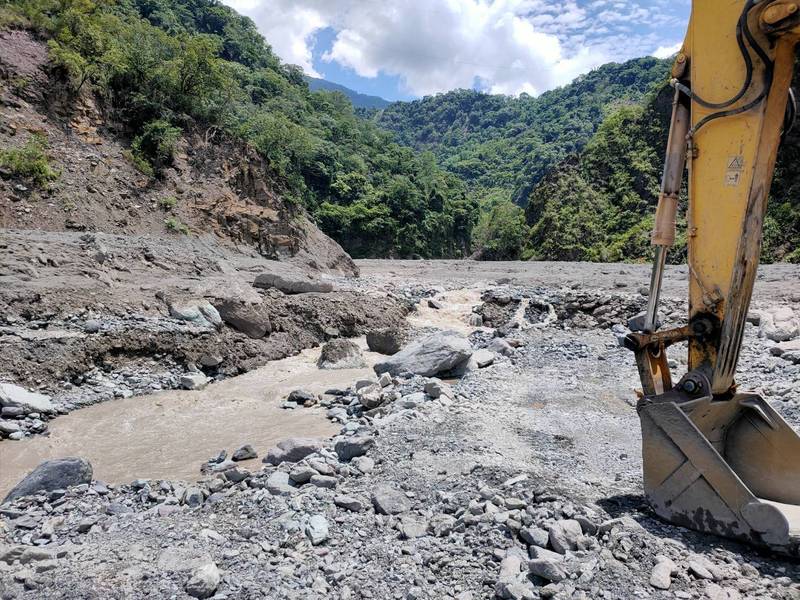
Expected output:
{"points": [[667, 51], [510, 46]]}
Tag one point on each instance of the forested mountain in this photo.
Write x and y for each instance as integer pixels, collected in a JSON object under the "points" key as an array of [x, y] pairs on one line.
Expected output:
{"points": [[505, 144], [358, 99], [165, 67], [600, 205]]}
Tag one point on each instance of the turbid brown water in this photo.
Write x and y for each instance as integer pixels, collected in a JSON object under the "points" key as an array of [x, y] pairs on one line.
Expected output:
{"points": [[170, 434]]}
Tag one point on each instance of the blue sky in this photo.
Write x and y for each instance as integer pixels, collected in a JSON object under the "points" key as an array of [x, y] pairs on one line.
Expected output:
{"points": [[409, 48]]}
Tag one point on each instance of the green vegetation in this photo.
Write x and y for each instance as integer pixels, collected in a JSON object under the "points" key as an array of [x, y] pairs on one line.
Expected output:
{"points": [[176, 225], [29, 161], [167, 66], [168, 203], [499, 142], [599, 206]]}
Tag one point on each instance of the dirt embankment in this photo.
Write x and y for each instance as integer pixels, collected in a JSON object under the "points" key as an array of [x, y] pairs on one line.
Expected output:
{"points": [[217, 186]]}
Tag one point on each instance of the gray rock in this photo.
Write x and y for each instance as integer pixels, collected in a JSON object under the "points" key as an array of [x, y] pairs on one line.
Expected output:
{"points": [[434, 304], [237, 474], [386, 341], [500, 346], [204, 581], [661, 575], [436, 354], [9, 426], [292, 450], [548, 567], [370, 396], [341, 353], [385, 380], [302, 474], [246, 452], [323, 481], [30, 402], [535, 536], [390, 501], [441, 525], [350, 447], [317, 529], [278, 484], [302, 397], [779, 325], [293, 282], [193, 497], [194, 381], [436, 387], [364, 464], [52, 475], [411, 528], [564, 535], [92, 326], [350, 503], [197, 311], [699, 570], [483, 358], [251, 320], [475, 320]]}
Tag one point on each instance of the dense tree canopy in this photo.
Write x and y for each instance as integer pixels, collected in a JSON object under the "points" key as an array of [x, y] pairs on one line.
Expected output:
{"points": [[508, 143], [165, 65]]}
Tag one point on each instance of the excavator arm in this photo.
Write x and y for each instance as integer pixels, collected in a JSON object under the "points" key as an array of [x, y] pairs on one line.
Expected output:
{"points": [[715, 459]]}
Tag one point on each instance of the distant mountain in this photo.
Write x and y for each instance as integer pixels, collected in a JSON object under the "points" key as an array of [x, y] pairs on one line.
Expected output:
{"points": [[506, 144], [358, 99]]}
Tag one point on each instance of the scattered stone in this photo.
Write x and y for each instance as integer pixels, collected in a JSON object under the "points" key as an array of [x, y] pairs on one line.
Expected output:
{"points": [[246, 452], [548, 567], [317, 529], [483, 358], [204, 581], [535, 536], [386, 341], [390, 501], [57, 474], [301, 474], [436, 354], [292, 450], [411, 528], [294, 282], [564, 535], [194, 381], [661, 575], [200, 312], [385, 380], [250, 320], [350, 447], [350, 503], [30, 402], [324, 481], [278, 484], [435, 388], [434, 304], [341, 353], [500, 346]]}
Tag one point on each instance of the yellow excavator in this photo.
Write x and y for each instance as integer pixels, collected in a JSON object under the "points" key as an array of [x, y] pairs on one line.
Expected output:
{"points": [[717, 459]]}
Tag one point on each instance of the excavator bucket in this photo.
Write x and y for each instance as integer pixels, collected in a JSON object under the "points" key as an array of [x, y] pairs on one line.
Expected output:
{"points": [[728, 467]]}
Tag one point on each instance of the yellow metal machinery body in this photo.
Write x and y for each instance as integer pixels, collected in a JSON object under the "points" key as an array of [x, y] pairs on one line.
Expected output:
{"points": [[717, 460]]}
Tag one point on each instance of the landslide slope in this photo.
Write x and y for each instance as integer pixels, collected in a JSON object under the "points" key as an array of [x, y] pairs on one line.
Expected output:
{"points": [[144, 106]]}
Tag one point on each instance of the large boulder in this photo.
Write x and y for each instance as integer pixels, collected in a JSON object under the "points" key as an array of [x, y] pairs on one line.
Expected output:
{"points": [[249, 319], [52, 475], [436, 354], [198, 311], [388, 340], [292, 450], [292, 281], [341, 354], [779, 325], [14, 396]]}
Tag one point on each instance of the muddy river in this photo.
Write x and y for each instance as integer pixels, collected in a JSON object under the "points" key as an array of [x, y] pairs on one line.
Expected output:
{"points": [[168, 435]]}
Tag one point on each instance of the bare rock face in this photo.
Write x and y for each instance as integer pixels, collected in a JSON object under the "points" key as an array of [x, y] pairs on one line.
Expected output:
{"points": [[437, 354], [52, 475], [341, 354]]}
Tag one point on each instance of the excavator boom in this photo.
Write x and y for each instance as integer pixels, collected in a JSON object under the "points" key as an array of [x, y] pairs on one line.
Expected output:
{"points": [[716, 459]]}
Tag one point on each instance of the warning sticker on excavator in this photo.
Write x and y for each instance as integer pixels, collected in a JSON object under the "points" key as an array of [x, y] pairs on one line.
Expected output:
{"points": [[733, 173]]}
